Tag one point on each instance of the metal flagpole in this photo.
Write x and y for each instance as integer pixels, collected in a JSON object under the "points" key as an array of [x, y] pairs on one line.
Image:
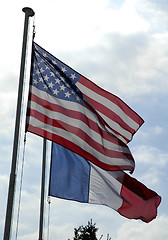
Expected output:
{"points": [[9, 211], [42, 190]]}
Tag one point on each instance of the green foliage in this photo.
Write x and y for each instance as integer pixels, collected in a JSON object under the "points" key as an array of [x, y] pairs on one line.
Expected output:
{"points": [[87, 232]]}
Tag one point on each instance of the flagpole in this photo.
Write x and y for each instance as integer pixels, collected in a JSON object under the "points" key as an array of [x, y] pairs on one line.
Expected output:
{"points": [[11, 190], [42, 191]]}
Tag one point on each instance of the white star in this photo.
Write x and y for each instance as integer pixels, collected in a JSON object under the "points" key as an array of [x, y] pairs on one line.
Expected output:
{"points": [[67, 85], [40, 79], [62, 78], [37, 72], [57, 80], [41, 70], [54, 62], [46, 67], [78, 98], [63, 69], [35, 81], [46, 77], [44, 55], [67, 94], [52, 74], [51, 85], [55, 91], [73, 92], [73, 76], [62, 87], [45, 86]]}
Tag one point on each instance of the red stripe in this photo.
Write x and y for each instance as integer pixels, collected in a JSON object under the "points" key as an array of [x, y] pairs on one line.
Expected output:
{"points": [[80, 116], [81, 134], [139, 202], [104, 124], [75, 148], [92, 86], [112, 115]]}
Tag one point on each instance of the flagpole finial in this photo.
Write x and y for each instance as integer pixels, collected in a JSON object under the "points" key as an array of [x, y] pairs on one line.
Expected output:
{"points": [[28, 11]]}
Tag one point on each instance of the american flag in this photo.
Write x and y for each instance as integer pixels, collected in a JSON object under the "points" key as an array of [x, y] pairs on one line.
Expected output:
{"points": [[69, 109]]}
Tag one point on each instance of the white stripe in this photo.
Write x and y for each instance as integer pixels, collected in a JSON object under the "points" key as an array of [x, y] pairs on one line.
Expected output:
{"points": [[66, 104], [72, 106], [117, 128], [104, 188], [129, 121], [75, 107], [79, 142], [81, 125]]}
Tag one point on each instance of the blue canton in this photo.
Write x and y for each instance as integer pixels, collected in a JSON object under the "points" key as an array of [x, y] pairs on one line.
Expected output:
{"points": [[54, 77]]}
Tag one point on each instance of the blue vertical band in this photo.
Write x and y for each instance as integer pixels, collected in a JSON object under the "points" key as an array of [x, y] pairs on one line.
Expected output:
{"points": [[69, 177]]}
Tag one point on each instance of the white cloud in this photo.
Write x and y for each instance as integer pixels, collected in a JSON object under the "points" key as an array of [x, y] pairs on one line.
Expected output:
{"points": [[133, 65], [29, 236], [81, 24], [147, 154], [3, 180], [155, 12], [137, 231], [126, 20], [150, 168], [151, 132]]}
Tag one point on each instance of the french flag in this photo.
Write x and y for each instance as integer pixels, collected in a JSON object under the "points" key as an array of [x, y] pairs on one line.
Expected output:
{"points": [[74, 178]]}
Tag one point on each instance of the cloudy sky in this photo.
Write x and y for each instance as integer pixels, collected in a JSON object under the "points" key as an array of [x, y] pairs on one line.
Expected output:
{"points": [[122, 46]]}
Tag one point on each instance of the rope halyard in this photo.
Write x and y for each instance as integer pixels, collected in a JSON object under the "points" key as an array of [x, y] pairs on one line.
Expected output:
{"points": [[48, 222], [20, 187], [34, 28]]}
